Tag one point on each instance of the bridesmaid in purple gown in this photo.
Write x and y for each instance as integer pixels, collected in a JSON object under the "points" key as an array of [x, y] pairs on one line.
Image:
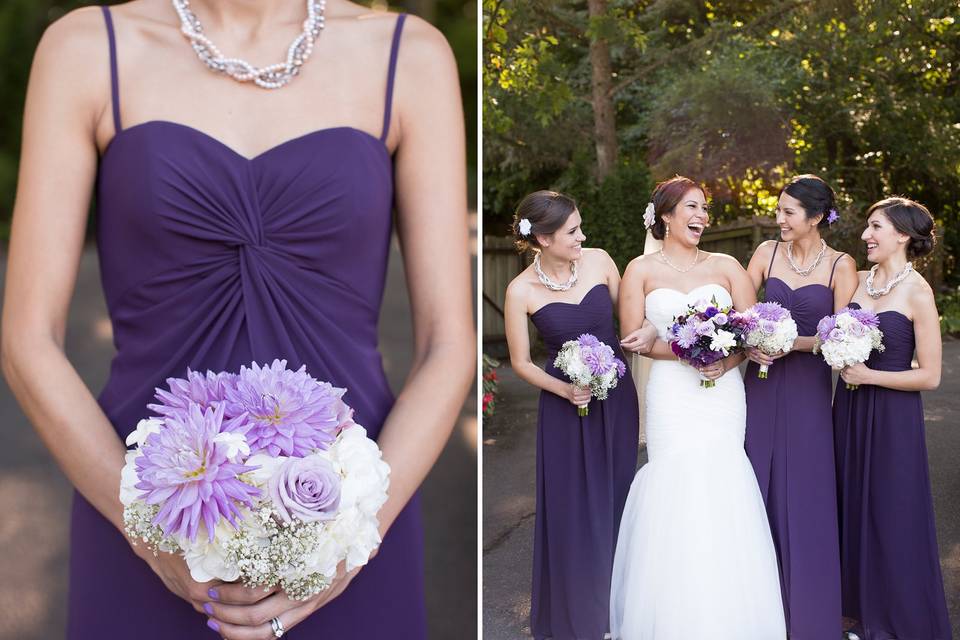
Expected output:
{"points": [[789, 437], [264, 238], [584, 465], [892, 584]]}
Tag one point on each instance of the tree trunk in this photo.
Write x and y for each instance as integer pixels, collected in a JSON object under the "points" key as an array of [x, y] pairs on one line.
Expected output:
{"points": [[604, 121]]}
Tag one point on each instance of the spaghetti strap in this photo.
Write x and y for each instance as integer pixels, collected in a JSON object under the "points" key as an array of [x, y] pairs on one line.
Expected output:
{"points": [[772, 256], [114, 80], [391, 71], [834, 268]]}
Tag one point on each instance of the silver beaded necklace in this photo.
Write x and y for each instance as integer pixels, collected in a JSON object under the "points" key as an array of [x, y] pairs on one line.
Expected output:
{"points": [[550, 284], [273, 76], [696, 258], [808, 270], [897, 279]]}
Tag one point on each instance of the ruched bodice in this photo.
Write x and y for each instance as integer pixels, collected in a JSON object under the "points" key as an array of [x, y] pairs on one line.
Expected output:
{"points": [[558, 322], [211, 260], [807, 304], [898, 343]]}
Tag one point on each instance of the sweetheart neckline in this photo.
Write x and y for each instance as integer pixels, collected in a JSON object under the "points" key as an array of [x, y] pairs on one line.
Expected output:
{"points": [[812, 284], [572, 304], [687, 293], [234, 152]]}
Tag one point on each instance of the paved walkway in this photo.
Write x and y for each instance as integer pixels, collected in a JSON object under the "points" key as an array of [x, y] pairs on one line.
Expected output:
{"points": [[509, 473], [35, 496]]}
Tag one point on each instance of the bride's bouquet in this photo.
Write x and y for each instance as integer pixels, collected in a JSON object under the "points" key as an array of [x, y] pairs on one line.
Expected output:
{"points": [[847, 338], [772, 331], [707, 333], [261, 477], [588, 362]]}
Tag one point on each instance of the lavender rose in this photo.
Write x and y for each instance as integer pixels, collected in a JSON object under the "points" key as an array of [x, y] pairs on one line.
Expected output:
{"points": [[837, 334], [768, 327], [720, 319], [307, 489]]}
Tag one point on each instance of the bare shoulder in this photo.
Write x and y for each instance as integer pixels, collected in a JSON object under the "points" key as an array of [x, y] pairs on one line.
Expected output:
{"points": [[765, 249], [597, 256], [920, 291], [72, 62], [639, 265], [81, 33], [724, 261], [519, 288], [425, 60]]}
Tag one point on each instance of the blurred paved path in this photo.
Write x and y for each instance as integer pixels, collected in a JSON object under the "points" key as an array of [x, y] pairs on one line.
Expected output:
{"points": [[35, 497], [509, 476]]}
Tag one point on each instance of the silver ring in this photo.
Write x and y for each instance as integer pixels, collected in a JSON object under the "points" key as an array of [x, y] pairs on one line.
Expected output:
{"points": [[277, 627]]}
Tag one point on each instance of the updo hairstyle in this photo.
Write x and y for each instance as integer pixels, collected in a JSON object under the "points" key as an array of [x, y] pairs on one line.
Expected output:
{"points": [[912, 219], [546, 211], [815, 195], [666, 196]]}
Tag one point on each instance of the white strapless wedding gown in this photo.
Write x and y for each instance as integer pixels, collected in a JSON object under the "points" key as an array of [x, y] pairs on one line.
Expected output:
{"points": [[695, 559]]}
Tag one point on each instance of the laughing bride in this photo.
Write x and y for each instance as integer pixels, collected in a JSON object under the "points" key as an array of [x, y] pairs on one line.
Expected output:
{"points": [[694, 558]]}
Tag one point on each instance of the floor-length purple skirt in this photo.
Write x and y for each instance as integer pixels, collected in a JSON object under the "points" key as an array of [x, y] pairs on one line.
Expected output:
{"points": [[892, 583], [584, 469], [789, 441]]}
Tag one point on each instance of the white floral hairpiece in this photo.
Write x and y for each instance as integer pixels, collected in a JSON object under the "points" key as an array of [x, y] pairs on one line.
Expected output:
{"points": [[650, 215], [524, 227]]}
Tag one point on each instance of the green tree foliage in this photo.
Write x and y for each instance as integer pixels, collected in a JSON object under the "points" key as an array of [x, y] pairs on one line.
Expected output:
{"points": [[22, 22], [739, 94]]}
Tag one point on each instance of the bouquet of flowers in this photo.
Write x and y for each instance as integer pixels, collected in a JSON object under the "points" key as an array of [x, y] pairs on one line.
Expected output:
{"points": [[260, 476], [847, 338], [590, 363], [707, 333], [772, 331]]}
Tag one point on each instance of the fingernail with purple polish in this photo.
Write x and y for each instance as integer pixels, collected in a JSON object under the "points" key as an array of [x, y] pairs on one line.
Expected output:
{"points": [[213, 593], [208, 608], [213, 625]]}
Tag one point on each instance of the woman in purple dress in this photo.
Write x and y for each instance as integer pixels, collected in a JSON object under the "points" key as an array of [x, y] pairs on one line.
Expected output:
{"points": [[237, 225], [892, 584], [789, 436], [584, 464]]}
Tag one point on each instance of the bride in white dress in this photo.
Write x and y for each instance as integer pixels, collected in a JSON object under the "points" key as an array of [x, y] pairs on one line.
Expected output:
{"points": [[694, 558]]}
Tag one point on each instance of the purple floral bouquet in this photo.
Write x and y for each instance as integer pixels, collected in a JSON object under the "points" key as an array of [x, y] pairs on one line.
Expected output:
{"points": [[772, 331], [847, 338], [707, 333], [588, 362], [260, 476]]}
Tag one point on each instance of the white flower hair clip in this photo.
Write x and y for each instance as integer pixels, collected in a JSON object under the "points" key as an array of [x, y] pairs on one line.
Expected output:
{"points": [[524, 227], [650, 215]]}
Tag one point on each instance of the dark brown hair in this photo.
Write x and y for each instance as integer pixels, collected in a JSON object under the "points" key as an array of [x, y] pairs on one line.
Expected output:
{"points": [[912, 219], [816, 196], [546, 211], [666, 196]]}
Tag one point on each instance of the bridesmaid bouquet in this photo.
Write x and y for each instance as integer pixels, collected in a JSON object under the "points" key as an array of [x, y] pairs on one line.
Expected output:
{"points": [[847, 338], [772, 331], [707, 333], [590, 363], [261, 476]]}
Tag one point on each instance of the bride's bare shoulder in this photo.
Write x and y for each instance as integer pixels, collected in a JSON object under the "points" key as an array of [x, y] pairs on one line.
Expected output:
{"points": [[639, 266], [723, 261]]}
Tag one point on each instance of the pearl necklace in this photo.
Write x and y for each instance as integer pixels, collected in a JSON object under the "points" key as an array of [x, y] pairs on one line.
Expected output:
{"points": [[808, 270], [897, 279], [675, 267], [273, 76], [550, 284]]}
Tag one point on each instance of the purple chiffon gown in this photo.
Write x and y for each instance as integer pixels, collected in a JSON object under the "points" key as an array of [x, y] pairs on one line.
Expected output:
{"points": [[789, 441], [212, 260], [584, 469], [892, 583]]}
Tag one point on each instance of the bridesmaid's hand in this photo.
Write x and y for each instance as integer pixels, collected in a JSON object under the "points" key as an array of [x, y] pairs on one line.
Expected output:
{"points": [[641, 340], [578, 396], [173, 570], [755, 355], [235, 620], [857, 374]]}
